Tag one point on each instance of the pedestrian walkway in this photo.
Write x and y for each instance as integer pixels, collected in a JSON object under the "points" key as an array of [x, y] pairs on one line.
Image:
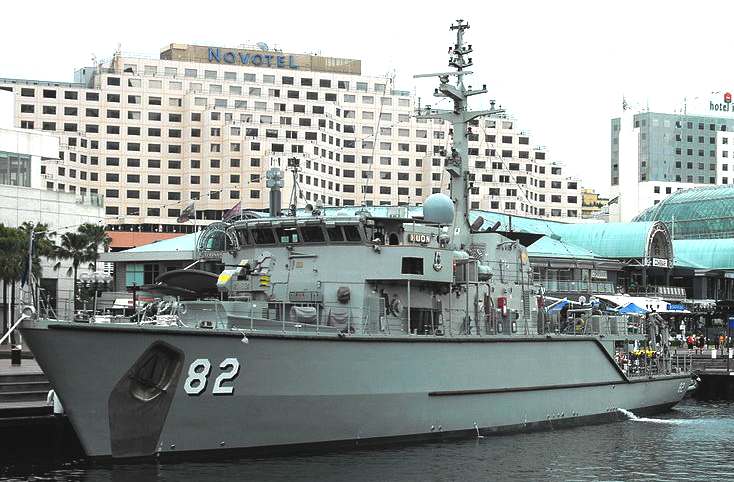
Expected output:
{"points": [[23, 389], [26, 367], [5, 352], [705, 352]]}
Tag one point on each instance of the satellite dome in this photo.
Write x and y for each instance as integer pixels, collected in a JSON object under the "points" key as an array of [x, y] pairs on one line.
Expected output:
{"points": [[439, 209]]}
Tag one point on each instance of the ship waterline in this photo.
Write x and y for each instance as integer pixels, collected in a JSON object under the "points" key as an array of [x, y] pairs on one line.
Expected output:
{"points": [[315, 389]]}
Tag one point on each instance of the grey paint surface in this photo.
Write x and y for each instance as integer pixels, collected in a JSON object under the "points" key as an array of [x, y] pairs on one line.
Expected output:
{"points": [[295, 390]]}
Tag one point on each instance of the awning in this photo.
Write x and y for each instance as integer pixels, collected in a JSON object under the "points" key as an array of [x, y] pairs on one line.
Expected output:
{"points": [[123, 303], [632, 309], [128, 302]]}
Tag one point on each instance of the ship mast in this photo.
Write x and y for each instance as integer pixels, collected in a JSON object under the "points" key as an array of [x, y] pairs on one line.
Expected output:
{"points": [[457, 161]]}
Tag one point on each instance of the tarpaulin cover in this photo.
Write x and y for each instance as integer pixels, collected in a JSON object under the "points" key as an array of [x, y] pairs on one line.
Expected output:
{"points": [[558, 306]]}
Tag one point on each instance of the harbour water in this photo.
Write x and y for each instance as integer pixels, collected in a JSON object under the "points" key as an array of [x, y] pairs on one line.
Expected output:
{"points": [[693, 442]]}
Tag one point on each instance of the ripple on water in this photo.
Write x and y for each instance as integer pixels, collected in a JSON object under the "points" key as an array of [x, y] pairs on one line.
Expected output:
{"points": [[648, 448]]}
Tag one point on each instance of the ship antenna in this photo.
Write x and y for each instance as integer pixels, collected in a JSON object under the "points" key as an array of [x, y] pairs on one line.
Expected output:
{"points": [[294, 165], [457, 161]]}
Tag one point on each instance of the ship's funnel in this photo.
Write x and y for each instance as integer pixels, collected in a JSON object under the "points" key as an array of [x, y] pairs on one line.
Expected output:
{"points": [[439, 209]]}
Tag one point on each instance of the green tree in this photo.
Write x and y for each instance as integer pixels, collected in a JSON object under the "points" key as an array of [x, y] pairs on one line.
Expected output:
{"points": [[43, 244], [77, 248], [96, 236], [13, 247]]}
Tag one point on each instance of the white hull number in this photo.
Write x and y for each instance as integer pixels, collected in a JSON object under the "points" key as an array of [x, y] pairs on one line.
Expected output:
{"points": [[198, 376]]}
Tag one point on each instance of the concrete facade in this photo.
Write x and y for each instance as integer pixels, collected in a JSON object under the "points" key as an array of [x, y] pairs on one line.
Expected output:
{"points": [[656, 154], [22, 198], [593, 204], [149, 135]]}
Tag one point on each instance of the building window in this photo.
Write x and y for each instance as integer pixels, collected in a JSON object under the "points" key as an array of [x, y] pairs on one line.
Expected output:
{"points": [[15, 169]]}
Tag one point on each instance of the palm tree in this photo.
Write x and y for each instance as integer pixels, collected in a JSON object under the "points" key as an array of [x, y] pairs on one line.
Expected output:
{"points": [[77, 248], [13, 247], [96, 236], [43, 244]]}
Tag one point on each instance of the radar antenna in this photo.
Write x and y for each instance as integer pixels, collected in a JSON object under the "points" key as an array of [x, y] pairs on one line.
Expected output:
{"points": [[457, 161], [294, 166]]}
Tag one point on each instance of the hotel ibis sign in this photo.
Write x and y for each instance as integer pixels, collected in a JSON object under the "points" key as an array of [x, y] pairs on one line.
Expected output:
{"points": [[248, 58], [724, 106]]}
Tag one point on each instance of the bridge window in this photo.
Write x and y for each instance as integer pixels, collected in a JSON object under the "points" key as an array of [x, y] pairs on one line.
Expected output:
{"points": [[287, 235], [335, 234], [352, 234], [412, 265], [242, 237], [312, 234], [263, 236]]}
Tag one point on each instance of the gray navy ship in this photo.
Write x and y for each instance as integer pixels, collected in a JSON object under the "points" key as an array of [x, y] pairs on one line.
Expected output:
{"points": [[351, 329]]}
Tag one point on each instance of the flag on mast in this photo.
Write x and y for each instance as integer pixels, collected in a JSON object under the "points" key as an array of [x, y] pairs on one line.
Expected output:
{"points": [[188, 213], [233, 211]]}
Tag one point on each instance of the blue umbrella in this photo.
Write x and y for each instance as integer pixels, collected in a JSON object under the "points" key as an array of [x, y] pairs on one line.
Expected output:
{"points": [[632, 309]]}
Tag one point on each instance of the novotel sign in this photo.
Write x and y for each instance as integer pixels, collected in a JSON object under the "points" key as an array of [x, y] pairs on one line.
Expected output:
{"points": [[248, 58]]}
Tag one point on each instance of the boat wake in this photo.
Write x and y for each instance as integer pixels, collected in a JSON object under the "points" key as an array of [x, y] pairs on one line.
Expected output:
{"points": [[632, 416]]}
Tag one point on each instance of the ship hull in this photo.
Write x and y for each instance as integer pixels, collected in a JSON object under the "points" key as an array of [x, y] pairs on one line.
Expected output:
{"points": [[293, 391]]}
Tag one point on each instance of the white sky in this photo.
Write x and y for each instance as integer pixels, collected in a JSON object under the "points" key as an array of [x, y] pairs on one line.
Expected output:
{"points": [[560, 68]]}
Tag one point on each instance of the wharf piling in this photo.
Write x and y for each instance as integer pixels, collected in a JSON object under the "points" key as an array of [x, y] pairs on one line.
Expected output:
{"points": [[715, 374], [29, 430]]}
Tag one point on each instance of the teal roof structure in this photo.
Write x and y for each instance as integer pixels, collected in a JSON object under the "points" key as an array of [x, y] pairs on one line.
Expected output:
{"points": [[704, 253], [559, 240], [507, 223], [548, 247], [179, 243], [697, 213], [594, 241], [606, 240], [610, 240], [516, 223]]}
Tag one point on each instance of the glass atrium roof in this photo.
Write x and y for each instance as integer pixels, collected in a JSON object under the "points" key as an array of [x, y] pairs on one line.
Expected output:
{"points": [[697, 213]]}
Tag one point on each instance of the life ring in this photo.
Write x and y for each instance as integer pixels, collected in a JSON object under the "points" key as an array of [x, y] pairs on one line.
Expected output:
{"points": [[437, 265]]}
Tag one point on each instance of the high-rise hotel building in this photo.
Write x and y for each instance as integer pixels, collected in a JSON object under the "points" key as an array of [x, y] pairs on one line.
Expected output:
{"points": [[206, 123], [655, 154]]}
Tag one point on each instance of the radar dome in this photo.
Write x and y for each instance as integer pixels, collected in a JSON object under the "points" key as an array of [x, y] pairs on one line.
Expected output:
{"points": [[439, 209]]}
